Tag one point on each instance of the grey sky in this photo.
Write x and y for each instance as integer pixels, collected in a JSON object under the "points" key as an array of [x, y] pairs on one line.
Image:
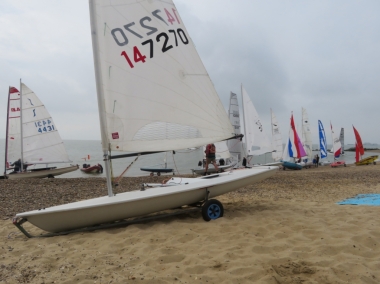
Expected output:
{"points": [[320, 55]]}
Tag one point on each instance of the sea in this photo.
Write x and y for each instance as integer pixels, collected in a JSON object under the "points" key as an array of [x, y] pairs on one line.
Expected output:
{"points": [[182, 161]]}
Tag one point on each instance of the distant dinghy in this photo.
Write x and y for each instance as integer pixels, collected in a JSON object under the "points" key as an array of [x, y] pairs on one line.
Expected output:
{"points": [[32, 138]]}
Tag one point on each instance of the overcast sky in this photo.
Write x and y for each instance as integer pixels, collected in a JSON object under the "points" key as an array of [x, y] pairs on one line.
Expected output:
{"points": [[320, 55]]}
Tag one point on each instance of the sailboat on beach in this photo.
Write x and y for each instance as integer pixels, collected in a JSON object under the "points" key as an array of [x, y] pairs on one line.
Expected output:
{"points": [[293, 149], [276, 139], [341, 139], [154, 95], [32, 138], [257, 142], [359, 152], [336, 149], [307, 141], [235, 145], [322, 144]]}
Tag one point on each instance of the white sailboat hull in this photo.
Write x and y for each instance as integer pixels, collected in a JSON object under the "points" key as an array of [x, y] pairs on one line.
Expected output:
{"points": [[42, 173], [138, 203]]}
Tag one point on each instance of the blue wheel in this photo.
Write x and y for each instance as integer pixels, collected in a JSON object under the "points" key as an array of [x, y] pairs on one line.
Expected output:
{"points": [[212, 209]]}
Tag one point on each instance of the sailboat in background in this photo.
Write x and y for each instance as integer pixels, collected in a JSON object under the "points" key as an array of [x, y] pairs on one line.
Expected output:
{"points": [[341, 139], [322, 144], [154, 95], [32, 138], [307, 141], [256, 141], [276, 139], [359, 152], [235, 146], [336, 149], [293, 149]]}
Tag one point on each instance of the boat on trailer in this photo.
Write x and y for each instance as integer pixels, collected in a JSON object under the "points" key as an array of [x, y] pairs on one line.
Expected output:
{"points": [[151, 99]]}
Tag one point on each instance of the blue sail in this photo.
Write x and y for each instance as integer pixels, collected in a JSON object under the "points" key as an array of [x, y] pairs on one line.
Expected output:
{"points": [[322, 140]]}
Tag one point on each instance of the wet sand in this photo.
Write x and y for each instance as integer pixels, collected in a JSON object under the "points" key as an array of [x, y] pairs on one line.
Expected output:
{"points": [[286, 229]]}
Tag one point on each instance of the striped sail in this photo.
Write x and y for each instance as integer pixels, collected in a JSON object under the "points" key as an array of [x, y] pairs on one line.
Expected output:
{"points": [[322, 140], [295, 147]]}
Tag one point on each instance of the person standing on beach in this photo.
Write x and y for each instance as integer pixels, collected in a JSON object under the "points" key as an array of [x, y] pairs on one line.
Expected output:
{"points": [[210, 157], [317, 158]]}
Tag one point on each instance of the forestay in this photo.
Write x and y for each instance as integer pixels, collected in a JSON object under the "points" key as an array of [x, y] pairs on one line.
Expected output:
{"points": [[154, 93], [257, 143], [42, 143]]}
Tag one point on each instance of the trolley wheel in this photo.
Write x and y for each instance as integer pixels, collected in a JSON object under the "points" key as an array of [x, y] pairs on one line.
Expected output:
{"points": [[151, 174], [212, 209], [374, 163], [50, 176], [283, 168], [158, 173], [345, 165]]}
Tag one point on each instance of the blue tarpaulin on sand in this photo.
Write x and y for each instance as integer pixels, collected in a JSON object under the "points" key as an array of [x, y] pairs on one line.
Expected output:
{"points": [[372, 199]]}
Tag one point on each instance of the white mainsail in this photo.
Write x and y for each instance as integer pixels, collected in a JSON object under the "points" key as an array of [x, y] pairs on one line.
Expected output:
{"points": [[256, 141], [154, 93], [341, 139], [41, 142], [307, 141], [13, 136], [276, 139], [235, 145]]}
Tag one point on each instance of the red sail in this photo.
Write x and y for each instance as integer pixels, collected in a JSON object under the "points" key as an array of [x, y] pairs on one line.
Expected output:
{"points": [[357, 158], [359, 144]]}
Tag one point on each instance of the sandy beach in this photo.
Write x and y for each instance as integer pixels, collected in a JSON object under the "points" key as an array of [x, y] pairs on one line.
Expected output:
{"points": [[286, 229]]}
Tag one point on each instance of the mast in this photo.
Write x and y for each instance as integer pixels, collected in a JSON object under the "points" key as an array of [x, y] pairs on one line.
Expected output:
{"points": [[22, 136], [6, 134], [100, 95]]}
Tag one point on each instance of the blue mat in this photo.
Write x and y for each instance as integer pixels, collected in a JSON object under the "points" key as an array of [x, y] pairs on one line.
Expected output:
{"points": [[372, 199]]}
